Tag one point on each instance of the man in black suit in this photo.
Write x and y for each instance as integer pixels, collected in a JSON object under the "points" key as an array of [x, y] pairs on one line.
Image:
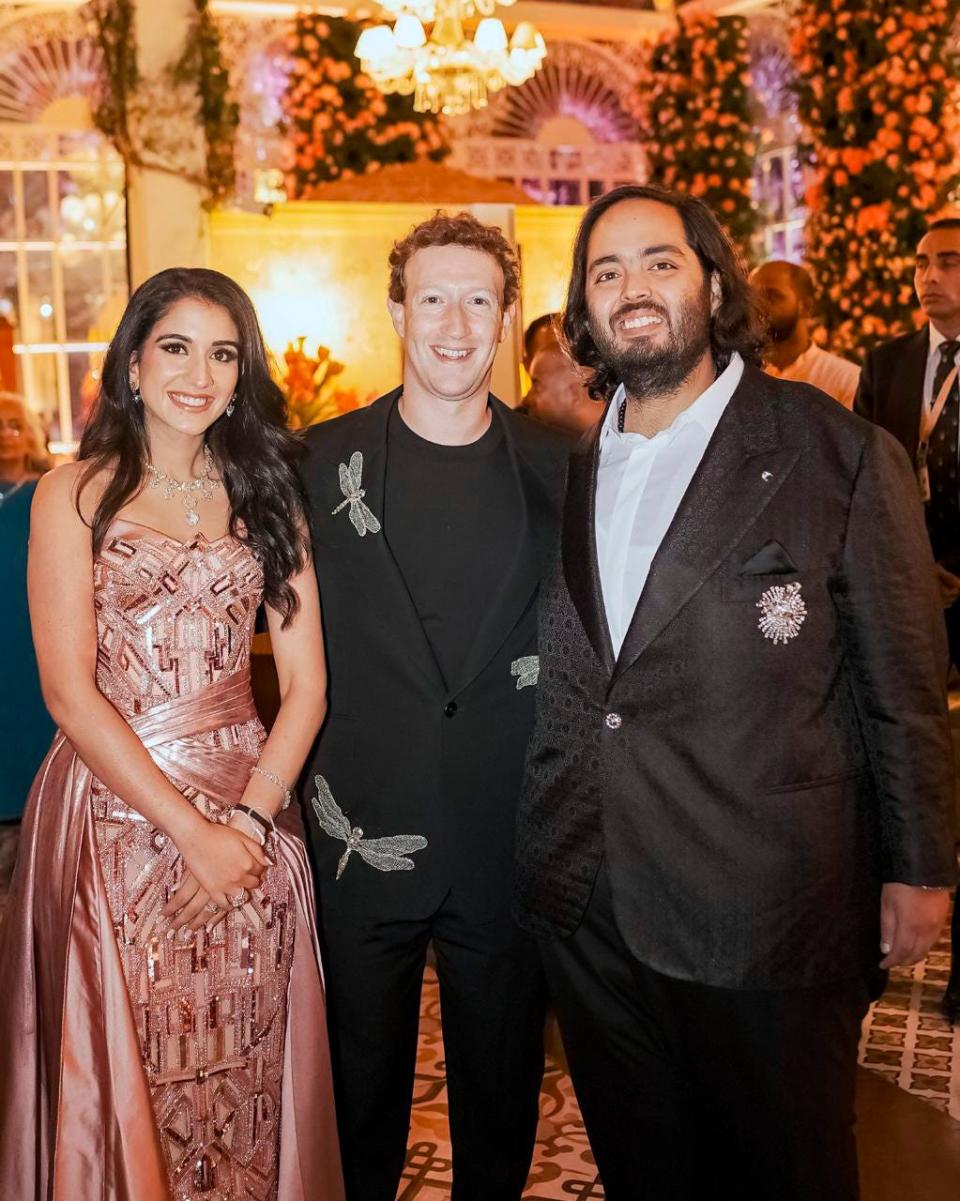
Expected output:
{"points": [[899, 389], [738, 800], [433, 513]]}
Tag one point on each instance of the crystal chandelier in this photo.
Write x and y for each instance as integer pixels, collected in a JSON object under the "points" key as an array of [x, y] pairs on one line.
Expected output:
{"points": [[448, 72]]}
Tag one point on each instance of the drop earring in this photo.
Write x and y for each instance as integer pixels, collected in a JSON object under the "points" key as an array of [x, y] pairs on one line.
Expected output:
{"points": [[137, 398], [232, 405]]}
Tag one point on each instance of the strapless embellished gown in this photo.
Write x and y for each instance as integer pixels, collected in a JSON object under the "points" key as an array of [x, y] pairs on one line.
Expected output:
{"points": [[134, 1067]]}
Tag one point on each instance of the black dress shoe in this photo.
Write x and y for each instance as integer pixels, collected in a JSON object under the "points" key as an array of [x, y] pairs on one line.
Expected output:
{"points": [[950, 1004]]}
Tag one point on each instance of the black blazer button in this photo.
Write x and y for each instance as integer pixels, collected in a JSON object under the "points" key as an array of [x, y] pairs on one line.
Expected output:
{"points": [[451, 709]]}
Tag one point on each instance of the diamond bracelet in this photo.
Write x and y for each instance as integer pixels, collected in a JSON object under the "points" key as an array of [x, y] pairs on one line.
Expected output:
{"points": [[276, 781]]}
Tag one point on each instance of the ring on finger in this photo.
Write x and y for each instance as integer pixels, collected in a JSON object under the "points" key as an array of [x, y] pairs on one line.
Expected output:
{"points": [[239, 899], [213, 907]]}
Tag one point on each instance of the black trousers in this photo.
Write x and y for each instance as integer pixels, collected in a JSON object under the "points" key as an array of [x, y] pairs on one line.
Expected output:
{"points": [[492, 1002], [692, 1091]]}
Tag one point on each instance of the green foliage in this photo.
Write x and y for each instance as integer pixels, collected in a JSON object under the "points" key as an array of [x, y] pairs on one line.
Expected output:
{"points": [[202, 64], [113, 22], [695, 110]]}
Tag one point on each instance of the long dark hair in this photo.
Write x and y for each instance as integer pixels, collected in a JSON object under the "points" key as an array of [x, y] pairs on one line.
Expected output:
{"points": [[736, 325], [254, 451]]}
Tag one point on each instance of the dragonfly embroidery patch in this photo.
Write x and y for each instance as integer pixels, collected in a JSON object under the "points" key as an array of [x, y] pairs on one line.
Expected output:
{"points": [[527, 671], [385, 854], [351, 486]]}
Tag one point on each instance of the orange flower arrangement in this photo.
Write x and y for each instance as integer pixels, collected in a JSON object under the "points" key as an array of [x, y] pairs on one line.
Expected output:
{"points": [[693, 106], [308, 386], [876, 101], [337, 123]]}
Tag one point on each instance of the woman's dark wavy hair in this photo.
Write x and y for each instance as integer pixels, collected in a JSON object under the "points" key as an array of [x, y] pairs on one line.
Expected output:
{"points": [[254, 451], [736, 325]]}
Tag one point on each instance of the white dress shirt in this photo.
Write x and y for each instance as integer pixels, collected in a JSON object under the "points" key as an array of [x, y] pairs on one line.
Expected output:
{"points": [[933, 362], [829, 372], [640, 483]]}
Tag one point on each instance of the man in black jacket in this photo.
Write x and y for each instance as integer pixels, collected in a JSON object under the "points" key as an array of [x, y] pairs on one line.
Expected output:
{"points": [[899, 389], [433, 513], [737, 808]]}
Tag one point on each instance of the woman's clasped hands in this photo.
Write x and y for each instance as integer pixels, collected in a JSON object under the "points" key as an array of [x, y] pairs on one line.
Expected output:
{"points": [[223, 864]]}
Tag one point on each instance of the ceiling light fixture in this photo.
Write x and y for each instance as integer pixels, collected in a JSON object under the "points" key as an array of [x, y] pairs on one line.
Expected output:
{"points": [[446, 71]]}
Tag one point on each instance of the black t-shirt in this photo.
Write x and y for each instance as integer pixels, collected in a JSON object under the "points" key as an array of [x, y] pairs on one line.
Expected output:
{"points": [[452, 518]]}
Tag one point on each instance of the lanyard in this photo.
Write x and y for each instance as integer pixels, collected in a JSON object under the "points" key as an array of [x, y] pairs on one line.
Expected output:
{"points": [[928, 422]]}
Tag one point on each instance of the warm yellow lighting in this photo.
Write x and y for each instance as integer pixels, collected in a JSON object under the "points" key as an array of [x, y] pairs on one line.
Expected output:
{"points": [[447, 71], [426, 10]]}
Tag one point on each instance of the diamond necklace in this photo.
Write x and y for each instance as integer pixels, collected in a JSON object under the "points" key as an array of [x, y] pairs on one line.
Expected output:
{"points": [[191, 492]]}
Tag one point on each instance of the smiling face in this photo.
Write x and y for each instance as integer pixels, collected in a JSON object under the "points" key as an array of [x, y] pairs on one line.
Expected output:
{"points": [[647, 296], [188, 368], [451, 321]]}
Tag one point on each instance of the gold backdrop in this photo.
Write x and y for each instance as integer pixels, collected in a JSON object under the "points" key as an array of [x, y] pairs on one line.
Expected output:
{"points": [[320, 269]]}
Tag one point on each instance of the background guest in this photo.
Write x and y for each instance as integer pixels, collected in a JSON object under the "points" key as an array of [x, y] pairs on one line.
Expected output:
{"points": [[558, 395], [542, 331], [899, 388], [789, 301], [26, 730]]}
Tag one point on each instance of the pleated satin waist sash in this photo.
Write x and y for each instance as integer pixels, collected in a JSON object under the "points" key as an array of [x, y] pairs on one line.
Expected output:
{"points": [[173, 734]]}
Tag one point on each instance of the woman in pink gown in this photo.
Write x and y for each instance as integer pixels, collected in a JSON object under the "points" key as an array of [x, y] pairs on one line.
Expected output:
{"points": [[162, 1030]]}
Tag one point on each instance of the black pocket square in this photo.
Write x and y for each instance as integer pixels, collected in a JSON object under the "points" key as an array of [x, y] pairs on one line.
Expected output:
{"points": [[770, 559]]}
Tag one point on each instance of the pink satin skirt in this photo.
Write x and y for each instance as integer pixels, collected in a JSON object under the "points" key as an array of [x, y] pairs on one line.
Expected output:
{"points": [[136, 1068]]}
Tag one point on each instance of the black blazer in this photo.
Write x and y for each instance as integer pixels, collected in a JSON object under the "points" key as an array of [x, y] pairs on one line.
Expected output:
{"points": [[891, 387], [401, 752], [749, 797]]}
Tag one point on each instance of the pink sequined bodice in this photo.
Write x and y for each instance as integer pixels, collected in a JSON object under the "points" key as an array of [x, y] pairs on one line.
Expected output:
{"points": [[172, 617]]}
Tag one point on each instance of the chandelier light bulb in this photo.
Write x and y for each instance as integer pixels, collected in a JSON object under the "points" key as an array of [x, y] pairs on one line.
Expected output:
{"points": [[376, 43], [527, 37], [409, 32], [491, 37]]}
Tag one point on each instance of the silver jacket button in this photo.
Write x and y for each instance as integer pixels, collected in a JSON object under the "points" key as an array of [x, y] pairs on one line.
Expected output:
{"points": [[613, 721]]}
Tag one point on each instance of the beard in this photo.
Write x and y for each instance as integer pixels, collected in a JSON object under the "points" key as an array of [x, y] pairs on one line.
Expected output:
{"points": [[656, 370]]}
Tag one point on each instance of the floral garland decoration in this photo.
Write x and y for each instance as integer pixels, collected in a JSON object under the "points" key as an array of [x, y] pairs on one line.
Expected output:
{"points": [[140, 116], [694, 108], [202, 64], [113, 27], [337, 122], [874, 94]]}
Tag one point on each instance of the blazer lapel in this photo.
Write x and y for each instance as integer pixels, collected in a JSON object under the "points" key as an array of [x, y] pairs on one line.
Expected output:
{"points": [[521, 580], [742, 470], [906, 392], [383, 577], [579, 547]]}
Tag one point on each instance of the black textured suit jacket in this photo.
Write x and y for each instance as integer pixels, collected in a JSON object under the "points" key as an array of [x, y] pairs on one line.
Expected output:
{"points": [[749, 796], [891, 387], [401, 752]]}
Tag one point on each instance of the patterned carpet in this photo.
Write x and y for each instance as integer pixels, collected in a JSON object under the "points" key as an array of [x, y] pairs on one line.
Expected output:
{"points": [[906, 1038], [563, 1167]]}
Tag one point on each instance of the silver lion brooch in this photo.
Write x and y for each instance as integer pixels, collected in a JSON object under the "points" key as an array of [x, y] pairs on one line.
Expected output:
{"points": [[385, 854], [782, 612], [527, 671], [351, 485]]}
